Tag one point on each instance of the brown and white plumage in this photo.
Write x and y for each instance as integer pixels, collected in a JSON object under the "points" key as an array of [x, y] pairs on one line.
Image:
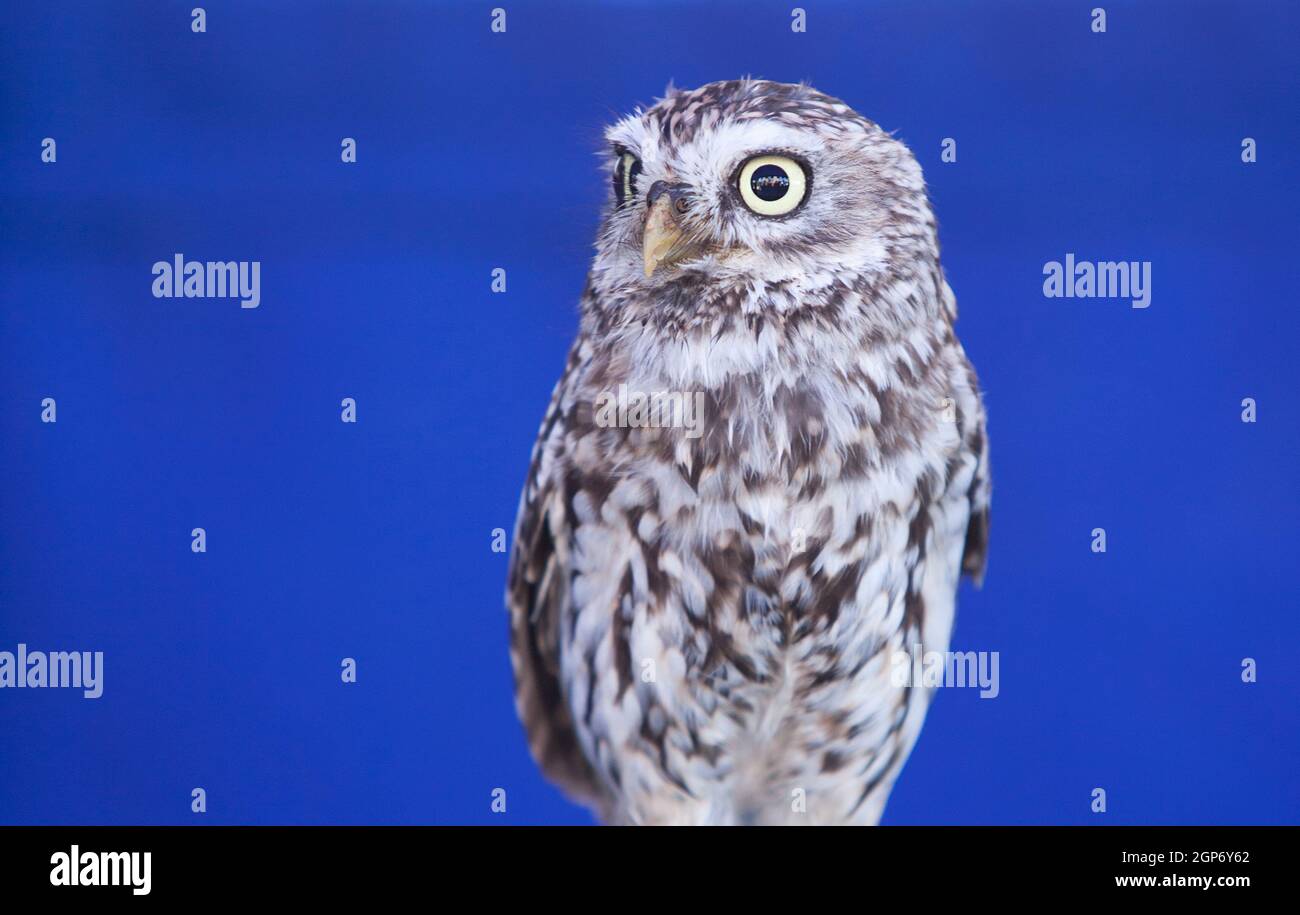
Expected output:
{"points": [[704, 620]]}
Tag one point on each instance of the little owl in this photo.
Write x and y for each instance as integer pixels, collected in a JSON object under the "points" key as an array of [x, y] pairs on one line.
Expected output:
{"points": [[707, 606]]}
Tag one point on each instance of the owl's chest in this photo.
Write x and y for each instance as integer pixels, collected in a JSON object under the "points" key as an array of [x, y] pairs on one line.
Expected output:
{"points": [[747, 542], [738, 506], [780, 453]]}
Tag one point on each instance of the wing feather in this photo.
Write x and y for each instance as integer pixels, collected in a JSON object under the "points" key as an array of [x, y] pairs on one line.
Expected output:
{"points": [[536, 596], [974, 558]]}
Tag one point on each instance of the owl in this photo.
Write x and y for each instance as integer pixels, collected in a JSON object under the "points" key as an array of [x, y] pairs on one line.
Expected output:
{"points": [[760, 477]]}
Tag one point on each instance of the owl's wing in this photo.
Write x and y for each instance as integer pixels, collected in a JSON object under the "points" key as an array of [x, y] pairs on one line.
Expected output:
{"points": [[537, 592], [975, 555]]}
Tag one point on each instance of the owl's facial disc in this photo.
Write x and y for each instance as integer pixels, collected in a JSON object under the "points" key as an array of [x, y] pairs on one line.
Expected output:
{"points": [[664, 238]]}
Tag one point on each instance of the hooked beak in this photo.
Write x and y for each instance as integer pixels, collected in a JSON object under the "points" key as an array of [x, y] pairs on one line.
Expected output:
{"points": [[664, 241], [662, 234]]}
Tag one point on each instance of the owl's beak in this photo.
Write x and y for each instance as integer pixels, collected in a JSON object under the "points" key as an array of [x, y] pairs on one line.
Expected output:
{"points": [[663, 234]]}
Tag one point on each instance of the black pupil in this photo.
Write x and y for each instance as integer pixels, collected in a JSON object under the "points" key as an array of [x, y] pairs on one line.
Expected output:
{"points": [[769, 182]]}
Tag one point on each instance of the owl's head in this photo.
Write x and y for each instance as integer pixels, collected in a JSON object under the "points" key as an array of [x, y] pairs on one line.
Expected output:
{"points": [[748, 184]]}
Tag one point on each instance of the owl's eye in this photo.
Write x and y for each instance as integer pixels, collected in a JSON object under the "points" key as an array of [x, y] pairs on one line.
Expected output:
{"points": [[626, 172], [772, 185]]}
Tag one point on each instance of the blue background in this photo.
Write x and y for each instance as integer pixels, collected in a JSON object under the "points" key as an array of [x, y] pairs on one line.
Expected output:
{"points": [[477, 150]]}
